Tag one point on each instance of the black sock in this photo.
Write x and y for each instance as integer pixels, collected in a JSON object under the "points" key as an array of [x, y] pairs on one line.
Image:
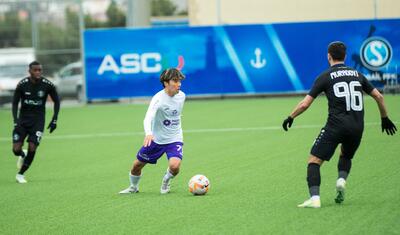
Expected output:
{"points": [[313, 178], [344, 166], [27, 162]]}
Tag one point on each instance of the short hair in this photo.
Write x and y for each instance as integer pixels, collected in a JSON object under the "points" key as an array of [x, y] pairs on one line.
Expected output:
{"points": [[34, 63], [337, 50], [171, 74]]}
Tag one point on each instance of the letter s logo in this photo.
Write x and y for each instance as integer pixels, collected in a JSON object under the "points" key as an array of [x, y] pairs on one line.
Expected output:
{"points": [[375, 53]]}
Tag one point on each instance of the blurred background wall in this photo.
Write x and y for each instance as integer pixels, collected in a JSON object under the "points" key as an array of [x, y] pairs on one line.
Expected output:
{"points": [[52, 27], [210, 12]]}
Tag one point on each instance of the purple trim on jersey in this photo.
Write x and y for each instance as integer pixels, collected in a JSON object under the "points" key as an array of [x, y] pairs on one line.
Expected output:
{"points": [[152, 153]]}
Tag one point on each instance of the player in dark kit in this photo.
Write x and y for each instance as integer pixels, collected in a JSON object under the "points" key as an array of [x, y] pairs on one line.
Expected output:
{"points": [[343, 87], [32, 91]]}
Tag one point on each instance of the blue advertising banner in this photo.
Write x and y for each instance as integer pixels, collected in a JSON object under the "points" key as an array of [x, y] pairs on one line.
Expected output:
{"points": [[235, 59]]}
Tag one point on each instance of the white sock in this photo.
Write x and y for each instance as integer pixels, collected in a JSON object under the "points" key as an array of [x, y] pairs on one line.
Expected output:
{"points": [[168, 175], [315, 197], [134, 179]]}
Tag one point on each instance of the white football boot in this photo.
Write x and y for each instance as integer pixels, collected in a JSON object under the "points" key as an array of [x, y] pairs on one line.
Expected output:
{"points": [[165, 186], [311, 203], [129, 190], [21, 179], [340, 187]]}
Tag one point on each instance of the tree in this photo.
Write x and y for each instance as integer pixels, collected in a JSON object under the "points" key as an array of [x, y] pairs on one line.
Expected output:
{"points": [[53, 38], [183, 13], [24, 38], [162, 8], [92, 23], [9, 29], [116, 18], [72, 33]]}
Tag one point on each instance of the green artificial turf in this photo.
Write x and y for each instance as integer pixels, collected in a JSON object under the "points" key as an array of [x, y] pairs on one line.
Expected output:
{"points": [[257, 173]]}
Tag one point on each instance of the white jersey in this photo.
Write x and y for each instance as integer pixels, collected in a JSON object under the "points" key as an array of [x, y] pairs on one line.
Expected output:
{"points": [[163, 118]]}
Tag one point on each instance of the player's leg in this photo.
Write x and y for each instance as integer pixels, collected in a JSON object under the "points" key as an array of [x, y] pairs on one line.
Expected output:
{"points": [[28, 158], [134, 177], [26, 162], [313, 182], [19, 134], [347, 151], [17, 149], [35, 132], [34, 138], [322, 150], [149, 154], [20, 153], [173, 170], [174, 153]]}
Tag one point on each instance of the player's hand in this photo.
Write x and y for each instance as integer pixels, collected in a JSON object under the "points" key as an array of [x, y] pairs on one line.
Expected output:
{"points": [[287, 123], [52, 125], [147, 140], [388, 126], [15, 123]]}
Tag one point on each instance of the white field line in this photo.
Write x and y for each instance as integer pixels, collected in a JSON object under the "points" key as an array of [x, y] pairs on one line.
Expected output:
{"points": [[211, 130]]}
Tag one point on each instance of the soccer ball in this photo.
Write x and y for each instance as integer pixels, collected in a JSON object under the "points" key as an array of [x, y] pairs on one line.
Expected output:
{"points": [[199, 185]]}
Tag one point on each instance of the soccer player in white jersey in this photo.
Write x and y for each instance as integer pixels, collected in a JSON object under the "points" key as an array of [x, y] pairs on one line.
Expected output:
{"points": [[162, 126]]}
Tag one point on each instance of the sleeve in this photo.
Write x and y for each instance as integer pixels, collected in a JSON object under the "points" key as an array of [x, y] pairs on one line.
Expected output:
{"points": [[16, 99], [150, 115], [54, 96], [366, 85], [318, 86]]}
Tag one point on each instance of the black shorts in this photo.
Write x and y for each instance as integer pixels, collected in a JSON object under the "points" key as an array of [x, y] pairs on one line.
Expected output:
{"points": [[31, 128], [328, 139]]}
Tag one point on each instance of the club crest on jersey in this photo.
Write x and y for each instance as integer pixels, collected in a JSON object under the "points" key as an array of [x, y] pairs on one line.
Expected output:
{"points": [[40, 94], [166, 122], [376, 53]]}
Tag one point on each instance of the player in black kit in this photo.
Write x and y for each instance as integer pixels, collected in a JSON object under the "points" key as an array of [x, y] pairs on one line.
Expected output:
{"points": [[32, 91], [343, 87]]}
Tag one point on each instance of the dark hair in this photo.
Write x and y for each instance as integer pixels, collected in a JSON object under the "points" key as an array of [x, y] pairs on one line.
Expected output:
{"points": [[337, 50], [171, 74], [34, 63]]}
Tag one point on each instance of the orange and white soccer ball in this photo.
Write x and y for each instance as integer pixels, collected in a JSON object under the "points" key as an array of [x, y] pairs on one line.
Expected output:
{"points": [[199, 185]]}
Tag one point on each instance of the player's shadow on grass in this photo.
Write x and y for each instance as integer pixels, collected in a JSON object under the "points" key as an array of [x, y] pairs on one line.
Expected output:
{"points": [[155, 194]]}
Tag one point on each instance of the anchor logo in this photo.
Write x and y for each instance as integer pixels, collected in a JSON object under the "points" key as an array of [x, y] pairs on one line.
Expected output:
{"points": [[258, 63]]}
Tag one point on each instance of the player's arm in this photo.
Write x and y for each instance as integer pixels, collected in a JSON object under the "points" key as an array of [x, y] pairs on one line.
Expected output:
{"points": [[299, 109], [378, 97], [387, 125], [15, 102], [317, 88], [54, 96], [302, 106], [148, 121]]}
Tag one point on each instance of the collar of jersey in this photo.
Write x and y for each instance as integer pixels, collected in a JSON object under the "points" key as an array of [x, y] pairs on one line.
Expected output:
{"points": [[337, 65]]}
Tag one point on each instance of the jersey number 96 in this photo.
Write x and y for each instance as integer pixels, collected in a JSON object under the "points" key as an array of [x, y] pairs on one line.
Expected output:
{"points": [[353, 98]]}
